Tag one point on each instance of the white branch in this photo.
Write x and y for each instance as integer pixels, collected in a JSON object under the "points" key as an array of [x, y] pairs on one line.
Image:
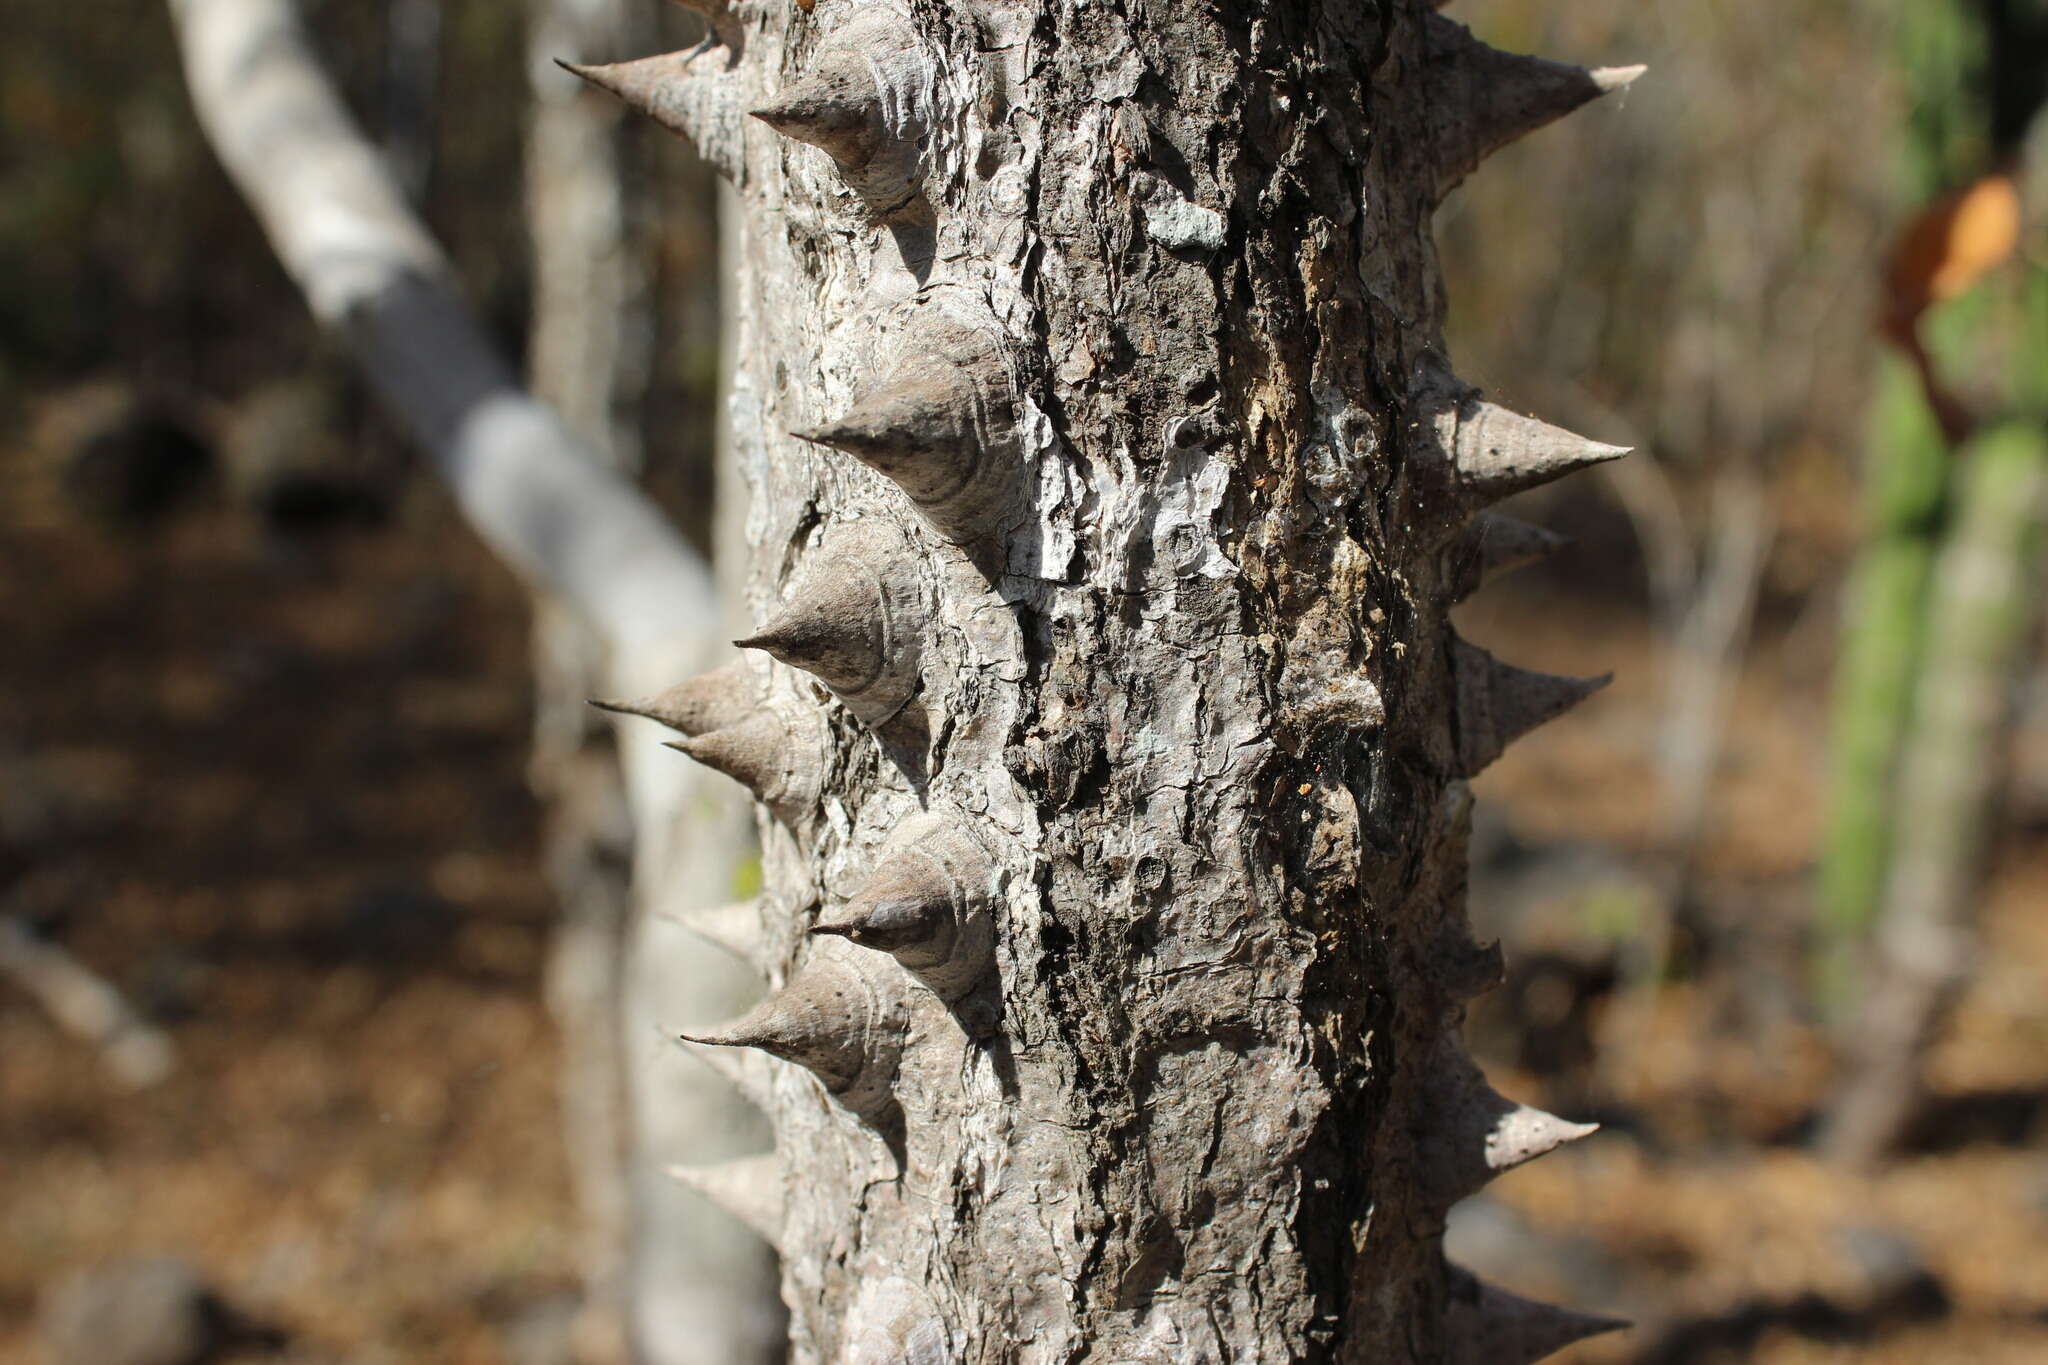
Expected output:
{"points": [[137, 1052], [372, 273]]}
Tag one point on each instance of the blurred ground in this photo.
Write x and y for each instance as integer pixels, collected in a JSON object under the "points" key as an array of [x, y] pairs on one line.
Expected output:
{"points": [[1695, 1211], [273, 790]]}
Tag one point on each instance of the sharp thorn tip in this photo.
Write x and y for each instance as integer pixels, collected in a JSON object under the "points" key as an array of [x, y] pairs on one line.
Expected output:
{"points": [[1613, 78]]}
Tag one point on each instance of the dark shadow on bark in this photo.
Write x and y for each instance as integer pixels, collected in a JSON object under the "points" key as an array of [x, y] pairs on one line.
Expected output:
{"points": [[917, 247]]}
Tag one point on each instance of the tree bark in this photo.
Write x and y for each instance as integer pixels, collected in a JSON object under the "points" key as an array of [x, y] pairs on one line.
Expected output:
{"points": [[1109, 731]]}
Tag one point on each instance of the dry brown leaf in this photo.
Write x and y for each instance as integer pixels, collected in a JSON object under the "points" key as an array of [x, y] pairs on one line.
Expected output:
{"points": [[1952, 245]]}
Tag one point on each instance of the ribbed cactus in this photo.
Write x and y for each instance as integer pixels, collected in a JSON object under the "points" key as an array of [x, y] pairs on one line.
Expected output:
{"points": [[1108, 492]]}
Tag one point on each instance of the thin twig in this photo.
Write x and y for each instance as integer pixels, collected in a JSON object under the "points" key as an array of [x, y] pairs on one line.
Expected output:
{"points": [[85, 1005]]}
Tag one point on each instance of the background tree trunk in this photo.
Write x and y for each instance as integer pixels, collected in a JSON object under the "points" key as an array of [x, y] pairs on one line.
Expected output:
{"points": [[586, 357], [1936, 639], [1981, 615], [1113, 913], [412, 79], [575, 529], [666, 1280]]}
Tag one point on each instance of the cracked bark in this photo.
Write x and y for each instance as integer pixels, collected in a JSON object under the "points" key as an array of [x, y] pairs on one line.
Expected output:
{"points": [[1113, 343]]}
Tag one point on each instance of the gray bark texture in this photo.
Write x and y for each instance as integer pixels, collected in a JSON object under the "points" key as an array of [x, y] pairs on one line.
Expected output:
{"points": [[1108, 491]]}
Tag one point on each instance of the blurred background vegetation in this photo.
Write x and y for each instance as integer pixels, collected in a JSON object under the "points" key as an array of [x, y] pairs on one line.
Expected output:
{"points": [[265, 706]]}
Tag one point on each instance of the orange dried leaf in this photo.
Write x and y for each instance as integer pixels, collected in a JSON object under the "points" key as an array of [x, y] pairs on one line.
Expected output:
{"points": [[1951, 246]]}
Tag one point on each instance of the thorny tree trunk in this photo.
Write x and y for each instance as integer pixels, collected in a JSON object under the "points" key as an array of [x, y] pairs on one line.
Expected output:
{"points": [[1113, 910], [583, 358], [665, 1282]]}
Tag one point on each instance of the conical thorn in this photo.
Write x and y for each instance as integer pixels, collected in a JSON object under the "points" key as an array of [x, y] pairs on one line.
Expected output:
{"points": [[692, 94], [864, 100], [912, 430], [711, 701], [888, 920], [854, 620], [1486, 1325], [749, 1188], [832, 1022], [1494, 546], [778, 753], [1471, 1133], [831, 631], [1497, 703], [1481, 99], [944, 428], [928, 904], [837, 110], [1470, 453], [1498, 452]]}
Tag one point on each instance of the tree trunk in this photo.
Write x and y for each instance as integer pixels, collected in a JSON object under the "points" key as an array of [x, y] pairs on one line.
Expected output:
{"points": [[1109, 732], [1871, 712], [583, 360], [412, 77], [1981, 614], [666, 1281], [584, 537]]}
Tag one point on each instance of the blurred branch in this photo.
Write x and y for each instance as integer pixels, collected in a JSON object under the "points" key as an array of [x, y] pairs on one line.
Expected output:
{"points": [[83, 1003], [372, 273], [1709, 641], [587, 356], [1884, 624], [1703, 599], [412, 70], [1981, 609], [1650, 500]]}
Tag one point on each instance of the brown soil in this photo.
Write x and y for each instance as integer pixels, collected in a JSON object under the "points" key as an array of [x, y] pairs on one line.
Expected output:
{"points": [[1729, 1241], [275, 793]]}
